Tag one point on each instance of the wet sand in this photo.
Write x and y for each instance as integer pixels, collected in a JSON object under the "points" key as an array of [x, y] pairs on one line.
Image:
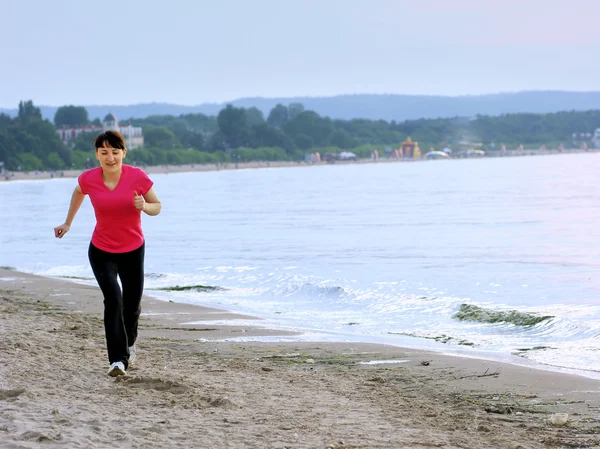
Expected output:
{"points": [[189, 388]]}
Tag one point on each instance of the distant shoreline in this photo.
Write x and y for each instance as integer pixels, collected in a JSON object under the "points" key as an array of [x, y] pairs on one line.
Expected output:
{"points": [[161, 169], [165, 169]]}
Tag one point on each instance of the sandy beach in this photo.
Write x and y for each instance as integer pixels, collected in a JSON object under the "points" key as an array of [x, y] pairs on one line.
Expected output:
{"points": [[35, 175], [188, 388]]}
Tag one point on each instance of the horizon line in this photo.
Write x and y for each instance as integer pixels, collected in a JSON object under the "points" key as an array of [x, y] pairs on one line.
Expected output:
{"points": [[216, 103]]}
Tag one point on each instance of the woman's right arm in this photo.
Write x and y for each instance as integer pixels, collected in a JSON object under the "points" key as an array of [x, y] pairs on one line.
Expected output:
{"points": [[76, 200]]}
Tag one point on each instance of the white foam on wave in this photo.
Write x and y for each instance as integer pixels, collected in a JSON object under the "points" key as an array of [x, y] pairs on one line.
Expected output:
{"points": [[70, 272], [578, 355]]}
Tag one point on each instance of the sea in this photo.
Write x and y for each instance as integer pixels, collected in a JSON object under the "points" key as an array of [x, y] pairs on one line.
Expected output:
{"points": [[491, 258]]}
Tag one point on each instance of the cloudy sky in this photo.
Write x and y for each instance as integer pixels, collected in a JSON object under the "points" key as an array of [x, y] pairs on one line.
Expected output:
{"points": [[197, 51]]}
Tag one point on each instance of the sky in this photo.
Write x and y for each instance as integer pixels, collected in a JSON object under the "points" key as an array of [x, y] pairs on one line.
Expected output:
{"points": [[188, 52]]}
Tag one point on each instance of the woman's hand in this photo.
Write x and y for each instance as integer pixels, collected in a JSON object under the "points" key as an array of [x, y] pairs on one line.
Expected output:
{"points": [[61, 230], [148, 203], [139, 202]]}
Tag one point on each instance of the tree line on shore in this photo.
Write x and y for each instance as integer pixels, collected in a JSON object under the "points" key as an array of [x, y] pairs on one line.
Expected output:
{"points": [[236, 134]]}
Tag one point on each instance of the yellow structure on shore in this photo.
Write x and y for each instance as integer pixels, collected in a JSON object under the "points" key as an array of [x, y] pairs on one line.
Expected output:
{"points": [[410, 149]]}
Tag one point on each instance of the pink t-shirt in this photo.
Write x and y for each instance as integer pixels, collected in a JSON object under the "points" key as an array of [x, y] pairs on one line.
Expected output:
{"points": [[118, 222]]}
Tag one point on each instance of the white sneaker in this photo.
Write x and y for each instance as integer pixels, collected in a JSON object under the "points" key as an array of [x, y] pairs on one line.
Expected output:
{"points": [[117, 369], [132, 354]]}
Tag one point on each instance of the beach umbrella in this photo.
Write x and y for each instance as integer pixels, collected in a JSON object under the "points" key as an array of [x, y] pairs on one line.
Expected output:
{"points": [[436, 155], [347, 155], [476, 152]]}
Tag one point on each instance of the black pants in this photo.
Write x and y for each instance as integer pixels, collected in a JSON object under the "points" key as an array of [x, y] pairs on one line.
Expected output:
{"points": [[121, 310]]}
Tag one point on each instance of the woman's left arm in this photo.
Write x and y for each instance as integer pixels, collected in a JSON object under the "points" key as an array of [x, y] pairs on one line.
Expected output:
{"points": [[152, 204]]}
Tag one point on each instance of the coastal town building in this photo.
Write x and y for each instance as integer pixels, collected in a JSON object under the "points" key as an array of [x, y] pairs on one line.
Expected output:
{"points": [[409, 149], [581, 139], [133, 135], [596, 138]]}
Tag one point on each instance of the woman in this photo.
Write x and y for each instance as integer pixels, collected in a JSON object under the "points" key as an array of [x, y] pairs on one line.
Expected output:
{"points": [[119, 193]]}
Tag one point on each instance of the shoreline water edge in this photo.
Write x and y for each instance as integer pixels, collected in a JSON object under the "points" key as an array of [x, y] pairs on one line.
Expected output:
{"points": [[254, 330], [192, 388]]}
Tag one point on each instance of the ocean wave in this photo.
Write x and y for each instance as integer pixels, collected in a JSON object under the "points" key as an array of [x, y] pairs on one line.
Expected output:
{"points": [[581, 355], [195, 288], [470, 312], [442, 338], [310, 290], [80, 278]]}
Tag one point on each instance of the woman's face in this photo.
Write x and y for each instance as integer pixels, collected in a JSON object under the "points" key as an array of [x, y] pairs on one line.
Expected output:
{"points": [[111, 159]]}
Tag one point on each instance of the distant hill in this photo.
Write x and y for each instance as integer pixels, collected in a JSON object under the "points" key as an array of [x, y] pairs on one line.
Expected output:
{"points": [[370, 106]]}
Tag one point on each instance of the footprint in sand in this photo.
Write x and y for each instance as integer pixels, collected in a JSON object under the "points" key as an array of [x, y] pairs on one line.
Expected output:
{"points": [[9, 394], [149, 383]]}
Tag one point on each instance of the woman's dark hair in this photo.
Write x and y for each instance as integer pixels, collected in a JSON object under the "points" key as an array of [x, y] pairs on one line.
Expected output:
{"points": [[112, 139]]}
